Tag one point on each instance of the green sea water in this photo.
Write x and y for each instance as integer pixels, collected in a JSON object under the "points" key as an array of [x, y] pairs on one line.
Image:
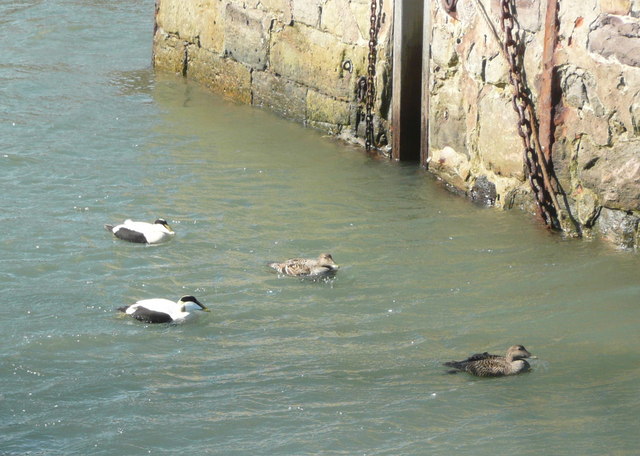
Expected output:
{"points": [[89, 135]]}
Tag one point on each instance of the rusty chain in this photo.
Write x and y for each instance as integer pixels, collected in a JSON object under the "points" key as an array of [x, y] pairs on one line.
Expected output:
{"points": [[370, 96], [450, 6], [536, 167]]}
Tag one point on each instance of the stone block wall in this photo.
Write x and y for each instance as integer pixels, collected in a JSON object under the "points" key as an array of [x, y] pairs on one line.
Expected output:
{"points": [[596, 153], [299, 58], [303, 59]]}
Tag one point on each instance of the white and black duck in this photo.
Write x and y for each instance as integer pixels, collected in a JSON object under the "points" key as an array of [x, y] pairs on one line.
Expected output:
{"points": [[487, 365], [160, 310], [142, 232], [307, 267]]}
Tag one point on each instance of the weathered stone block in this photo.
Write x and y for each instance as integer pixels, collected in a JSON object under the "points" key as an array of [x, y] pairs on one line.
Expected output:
{"points": [[169, 53], [330, 128], [307, 11], [467, 12], [278, 9], [514, 196], [512, 193], [618, 38], [337, 18], [211, 25], [496, 71], [280, 95], [247, 36], [361, 11], [196, 21], [475, 60], [618, 227], [562, 151], [574, 91], [499, 145], [615, 6], [443, 51], [596, 127], [587, 206], [579, 89], [618, 94], [527, 11], [487, 65], [448, 120], [313, 58], [178, 17], [612, 173], [529, 14], [634, 109], [321, 108], [224, 76], [451, 166]]}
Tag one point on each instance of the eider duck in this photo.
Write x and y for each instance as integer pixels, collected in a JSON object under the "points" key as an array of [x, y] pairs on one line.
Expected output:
{"points": [[307, 267], [159, 310], [486, 365], [142, 232]]}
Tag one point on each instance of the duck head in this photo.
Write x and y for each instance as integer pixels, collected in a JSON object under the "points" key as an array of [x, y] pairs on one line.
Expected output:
{"points": [[518, 352], [326, 260], [190, 303], [164, 223]]}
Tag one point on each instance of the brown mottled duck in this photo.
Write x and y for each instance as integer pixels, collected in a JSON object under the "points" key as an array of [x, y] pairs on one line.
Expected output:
{"points": [[487, 365], [307, 267]]}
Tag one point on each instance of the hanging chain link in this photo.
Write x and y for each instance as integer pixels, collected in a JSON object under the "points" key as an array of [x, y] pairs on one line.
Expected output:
{"points": [[536, 167], [450, 6], [370, 97]]}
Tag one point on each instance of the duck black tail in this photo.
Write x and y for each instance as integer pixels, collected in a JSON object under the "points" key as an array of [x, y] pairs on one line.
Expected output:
{"points": [[108, 227], [123, 309]]}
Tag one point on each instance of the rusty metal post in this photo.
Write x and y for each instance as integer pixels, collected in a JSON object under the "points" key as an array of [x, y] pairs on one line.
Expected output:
{"points": [[546, 101], [407, 80]]}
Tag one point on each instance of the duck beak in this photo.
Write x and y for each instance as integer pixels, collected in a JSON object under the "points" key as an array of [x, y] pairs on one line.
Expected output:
{"points": [[206, 309], [169, 228], [533, 357], [335, 267]]}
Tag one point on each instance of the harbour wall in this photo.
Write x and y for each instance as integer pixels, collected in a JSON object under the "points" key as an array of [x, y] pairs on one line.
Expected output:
{"points": [[306, 60], [299, 58]]}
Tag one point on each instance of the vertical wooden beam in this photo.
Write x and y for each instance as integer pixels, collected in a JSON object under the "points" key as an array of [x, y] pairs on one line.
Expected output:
{"points": [[426, 81], [407, 79]]}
